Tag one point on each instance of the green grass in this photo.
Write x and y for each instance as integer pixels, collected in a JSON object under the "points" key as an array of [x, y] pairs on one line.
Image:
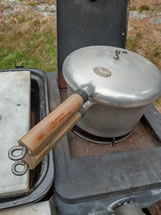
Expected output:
{"points": [[133, 8], [154, 54], [32, 4], [143, 8], [35, 54], [133, 42], [31, 41]]}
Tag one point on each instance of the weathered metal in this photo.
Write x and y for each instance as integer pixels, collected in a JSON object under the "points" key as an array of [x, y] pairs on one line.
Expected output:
{"points": [[104, 177], [141, 138], [83, 23], [119, 89]]}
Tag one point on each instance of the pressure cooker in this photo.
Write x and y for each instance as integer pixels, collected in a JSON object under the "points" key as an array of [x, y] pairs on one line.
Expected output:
{"points": [[109, 89]]}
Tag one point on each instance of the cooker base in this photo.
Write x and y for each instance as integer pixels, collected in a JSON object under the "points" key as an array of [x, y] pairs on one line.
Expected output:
{"points": [[100, 140]]}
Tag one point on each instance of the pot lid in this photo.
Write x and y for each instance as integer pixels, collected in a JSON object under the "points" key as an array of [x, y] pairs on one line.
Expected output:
{"points": [[117, 76]]}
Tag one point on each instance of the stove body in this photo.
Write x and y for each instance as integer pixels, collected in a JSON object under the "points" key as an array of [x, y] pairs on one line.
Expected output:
{"points": [[94, 178]]}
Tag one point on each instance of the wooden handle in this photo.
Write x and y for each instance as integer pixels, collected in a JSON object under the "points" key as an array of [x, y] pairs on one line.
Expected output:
{"points": [[33, 159], [36, 138]]}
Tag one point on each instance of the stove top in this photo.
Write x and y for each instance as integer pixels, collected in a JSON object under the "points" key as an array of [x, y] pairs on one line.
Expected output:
{"points": [[104, 173], [144, 136]]}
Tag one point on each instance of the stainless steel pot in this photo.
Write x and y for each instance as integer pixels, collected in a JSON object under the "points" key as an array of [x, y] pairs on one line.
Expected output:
{"points": [[112, 85], [123, 84]]}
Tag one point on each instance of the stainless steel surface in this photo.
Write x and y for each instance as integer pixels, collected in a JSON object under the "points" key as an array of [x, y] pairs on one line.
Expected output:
{"points": [[134, 81], [120, 89], [105, 121]]}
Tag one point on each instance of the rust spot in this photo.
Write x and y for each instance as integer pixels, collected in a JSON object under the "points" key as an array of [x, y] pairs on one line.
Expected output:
{"points": [[58, 119], [53, 124], [40, 136]]}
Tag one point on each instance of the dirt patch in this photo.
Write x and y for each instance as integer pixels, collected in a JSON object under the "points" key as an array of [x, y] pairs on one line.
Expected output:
{"points": [[153, 4], [149, 30], [144, 31]]}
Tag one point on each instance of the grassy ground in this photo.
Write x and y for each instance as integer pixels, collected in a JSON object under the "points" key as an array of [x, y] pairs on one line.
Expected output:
{"points": [[144, 36], [28, 38]]}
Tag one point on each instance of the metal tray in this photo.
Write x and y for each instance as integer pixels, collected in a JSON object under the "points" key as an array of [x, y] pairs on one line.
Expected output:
{"points": [[41, 178]]}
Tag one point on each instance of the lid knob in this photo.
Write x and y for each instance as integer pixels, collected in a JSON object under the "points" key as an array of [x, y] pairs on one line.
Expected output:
{"points": [[117, 53]]}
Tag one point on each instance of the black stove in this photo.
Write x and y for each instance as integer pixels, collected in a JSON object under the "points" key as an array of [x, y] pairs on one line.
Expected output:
{"points": [[96, 178]]}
